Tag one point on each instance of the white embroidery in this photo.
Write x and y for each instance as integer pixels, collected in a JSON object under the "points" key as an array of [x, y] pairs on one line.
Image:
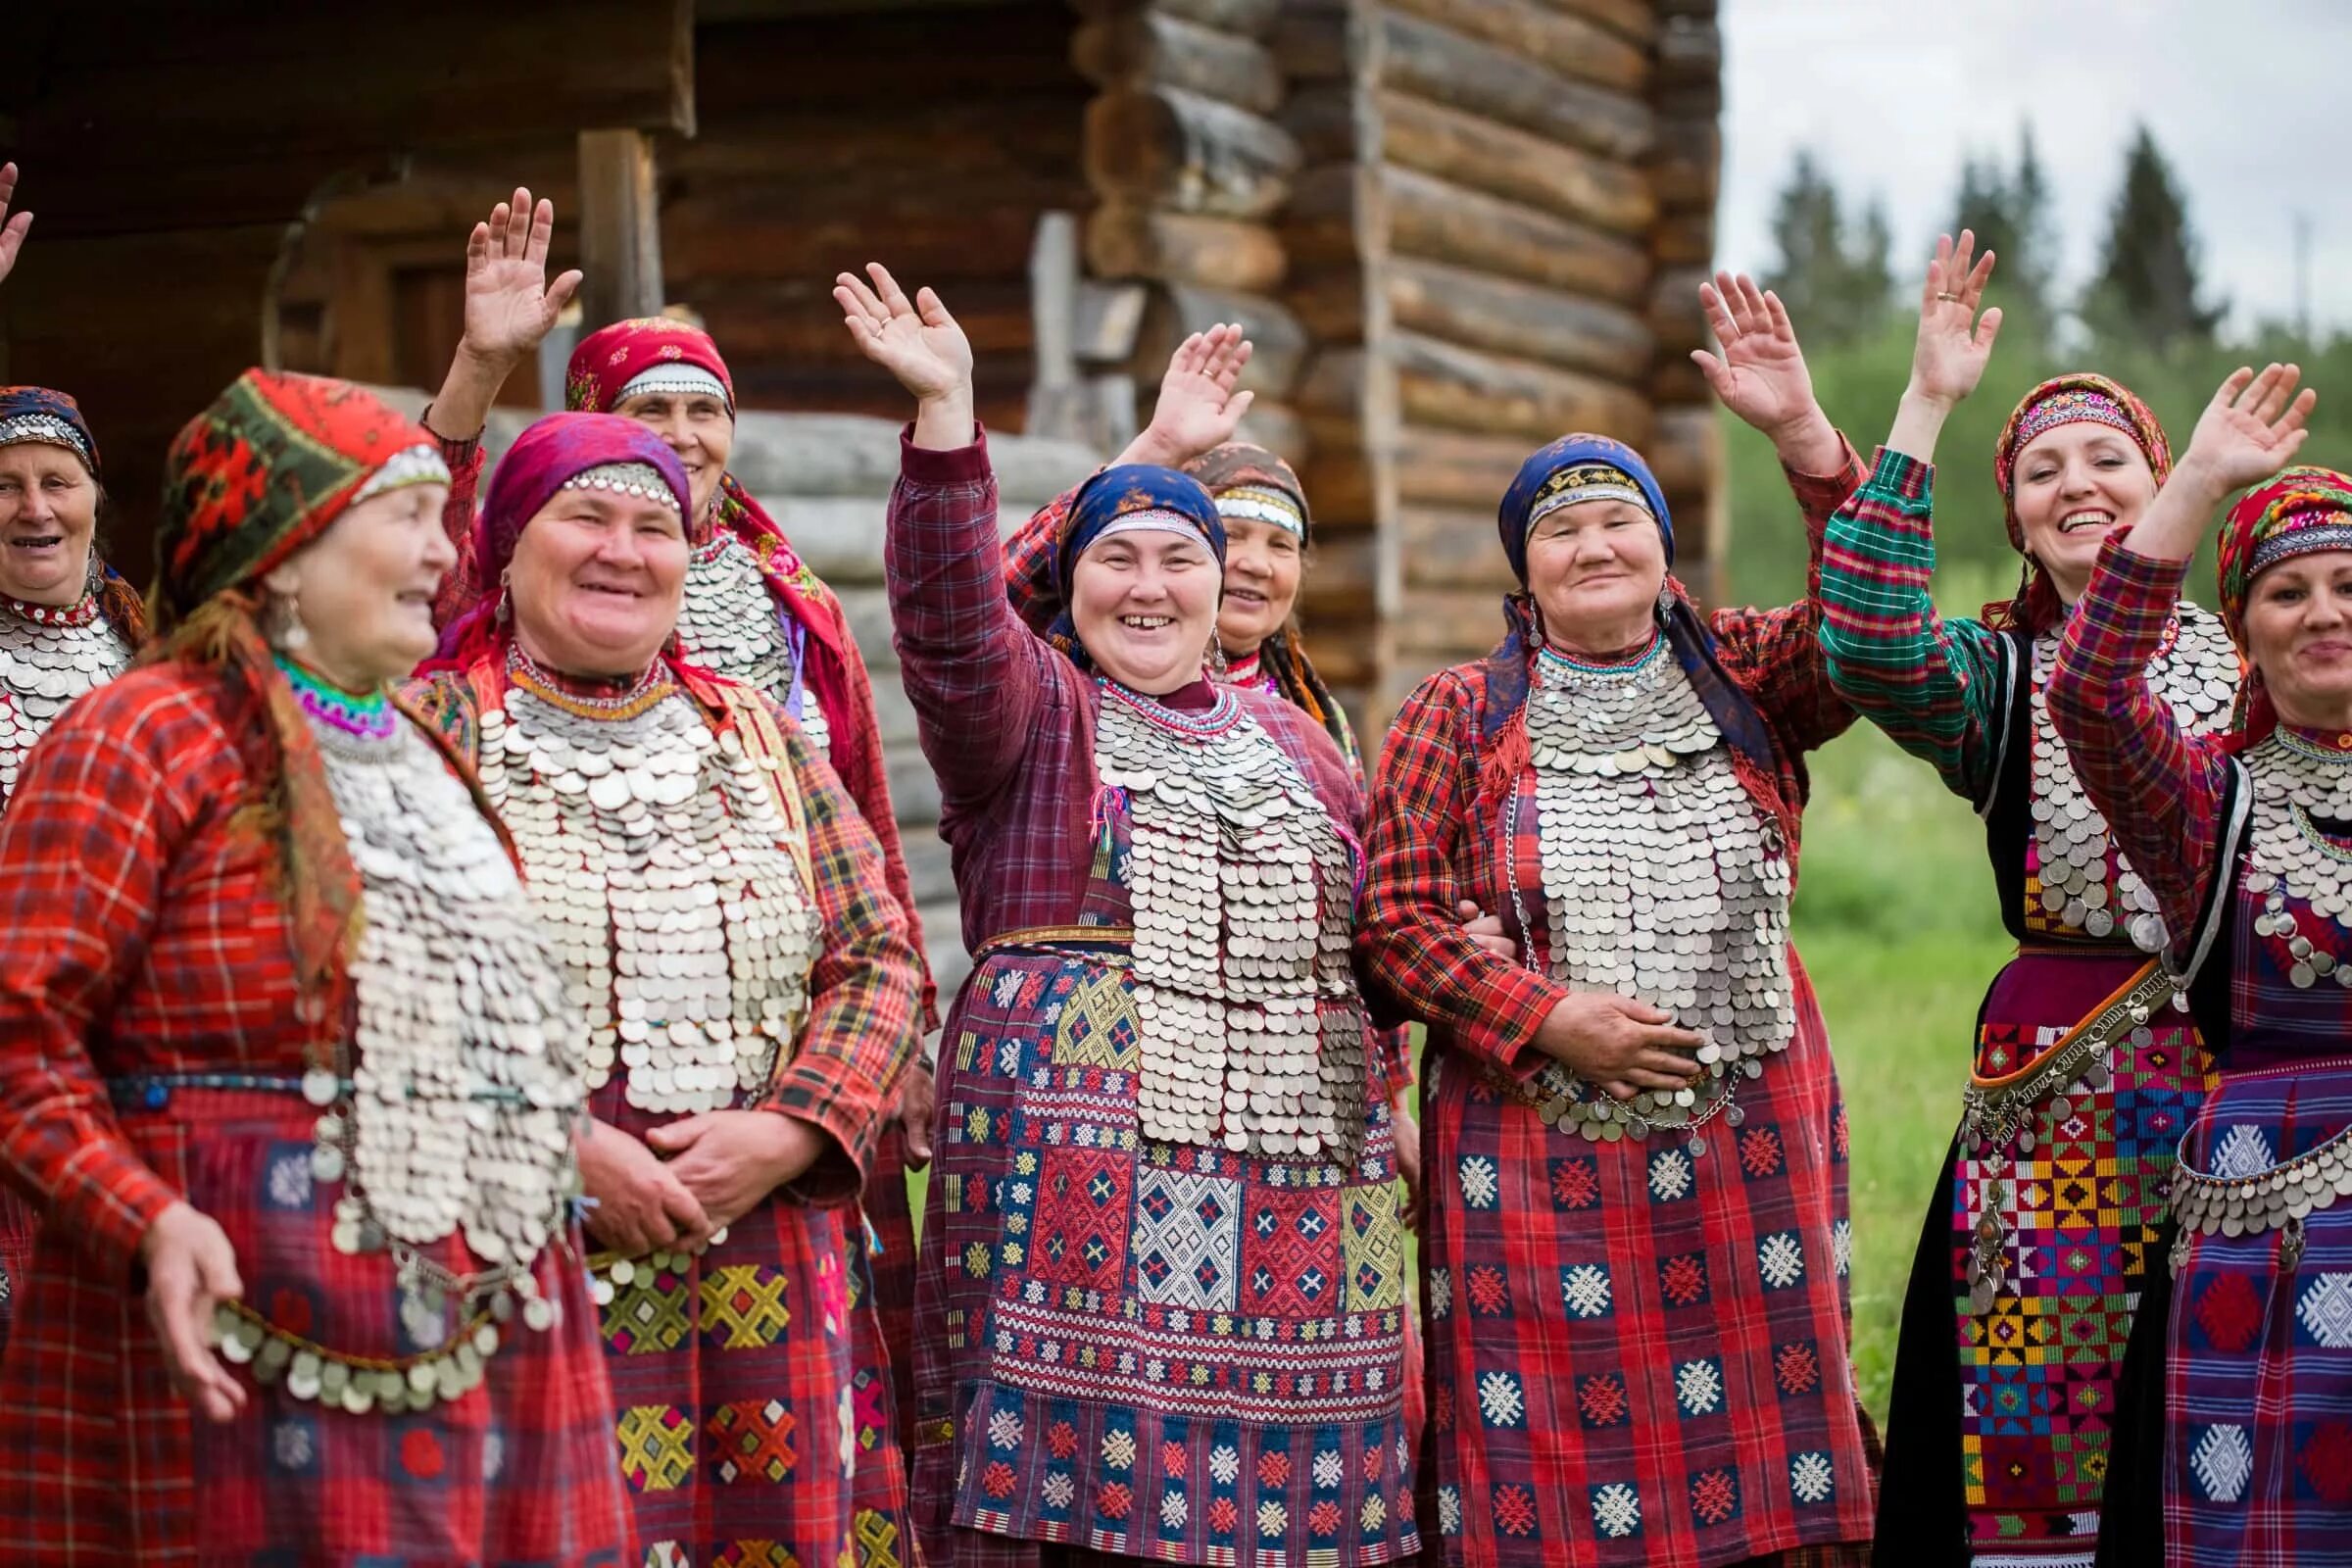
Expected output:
{"points": [[1698, 1386], [2222, 1460], [1450, 1511], [1499, 1398], [1781, 1259], [1479, 1189], [1329, 1468], [1585, 1289], [1669, 1174], [1811, 1477], [1005, 1429], [2243, 1152], [1616, 1510]]}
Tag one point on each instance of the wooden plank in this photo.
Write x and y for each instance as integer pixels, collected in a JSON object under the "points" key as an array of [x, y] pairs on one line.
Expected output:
{"points": [[1466, 389], [1175, 311], [1689, 52], [1131, 240], [358, 317], [1343, 653], [1337, 479], [1574, 46], [1441, 64], [1328, 302], [1687, 165], [1686, 450], [821, 155], [1322, 118], [1448, 625], [1452, 547], [1455, 468], [926, 55], [1482, 154], [621, 228], [1685, 238], [1338, 584], [1150, 48], [1634, 20], [1676, 315], [1278, 428], [712, 238], [1323, 228], [1678, 381], [1334, 383], [1481, 311], [795, 319], [1441, 220], [1311, 43], [1174, 149], [1248, 18]]}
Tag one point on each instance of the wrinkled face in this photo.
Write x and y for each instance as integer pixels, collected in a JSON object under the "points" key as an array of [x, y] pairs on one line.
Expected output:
{"points": [[364, 589], [1594, 570], [1262, 565], [1146, 605], [2072, 485], [48, 513], [596, 582], [698, 427], [2299, 632]]}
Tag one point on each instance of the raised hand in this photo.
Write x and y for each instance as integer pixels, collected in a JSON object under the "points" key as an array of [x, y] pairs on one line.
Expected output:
{"points": [[1761, 374], [12, 230], [915, 340], [1198, 407], [1954, 341], [2251, 429], [509, 305]]}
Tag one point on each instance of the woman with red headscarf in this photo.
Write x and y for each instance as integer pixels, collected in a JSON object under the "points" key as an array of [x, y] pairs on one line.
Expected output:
{"points": [[284, 1052], [2035, 1247], [2247, 841], [754, 612], [750, 982]]}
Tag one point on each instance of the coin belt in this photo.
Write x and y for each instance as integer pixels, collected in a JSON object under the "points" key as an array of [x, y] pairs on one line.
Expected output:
{"points": [[44, 664], [2291, 858], [463, 1092], [1661, 880], [729, 622], [2280, 1198], [1251, 1033], [2086, 885], [659, 855]]}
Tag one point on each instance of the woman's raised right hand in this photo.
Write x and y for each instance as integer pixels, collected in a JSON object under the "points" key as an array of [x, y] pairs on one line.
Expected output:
{"points": [[918, 341], [12, 230], [1954, 342], [1621, 1044]]}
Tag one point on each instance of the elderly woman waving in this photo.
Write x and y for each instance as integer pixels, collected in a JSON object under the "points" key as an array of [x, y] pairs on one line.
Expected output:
{"points": [[1634, 1233]]}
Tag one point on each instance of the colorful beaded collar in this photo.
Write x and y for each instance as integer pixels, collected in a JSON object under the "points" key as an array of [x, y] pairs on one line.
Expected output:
{"points": [[79, 613]]}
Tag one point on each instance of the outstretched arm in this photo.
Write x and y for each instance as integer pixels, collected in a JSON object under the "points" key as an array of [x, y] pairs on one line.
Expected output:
{"points": [[12, 230], [510, 309]]}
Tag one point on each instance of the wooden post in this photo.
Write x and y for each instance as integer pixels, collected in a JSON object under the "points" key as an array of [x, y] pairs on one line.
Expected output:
{"points": [[620, 227]]}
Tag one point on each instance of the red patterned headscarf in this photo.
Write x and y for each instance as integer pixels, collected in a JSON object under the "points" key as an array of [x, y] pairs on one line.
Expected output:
{"points": [[611, 358], [2076, 398], [262, 472], [2305, 510]]}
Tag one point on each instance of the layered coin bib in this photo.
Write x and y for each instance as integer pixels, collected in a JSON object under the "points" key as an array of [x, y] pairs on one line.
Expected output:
{"points": [[728, 623], [2290, 857], [48, 657]]}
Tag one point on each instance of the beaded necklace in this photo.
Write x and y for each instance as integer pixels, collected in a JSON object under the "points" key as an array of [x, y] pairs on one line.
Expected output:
{"points": [[1250, 1033], [1660, 880], [49, 654], [337, 715]]}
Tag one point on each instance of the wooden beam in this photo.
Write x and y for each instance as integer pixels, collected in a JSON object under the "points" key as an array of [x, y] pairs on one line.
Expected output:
{"points": [[620, 227], [1311, 43], [1177, 150], [1689, 52], [1574, 46], [1675, 312], [1277, 427], [359, 318], [1452, 547], [1685, 238], [1446, 223], [1485, 312], [1482, 154], [1441, 64], [1322, 118], [1442, 384], [1247, 19], [1178, 310], [1633, 20], [1154, 49], [1686, 452], [1458, 468], [1130, 240], [1686, 164]]}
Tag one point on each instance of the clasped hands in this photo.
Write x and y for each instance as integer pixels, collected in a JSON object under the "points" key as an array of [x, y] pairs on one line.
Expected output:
{"points": [[721, 1165]]}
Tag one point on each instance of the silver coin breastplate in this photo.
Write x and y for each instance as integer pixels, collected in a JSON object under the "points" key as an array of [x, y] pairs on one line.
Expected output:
{"points": [[1661, 878], [2297, 786], [2086, 885], [659, 856], [729, 624], [42, 668], [1242, 892]]}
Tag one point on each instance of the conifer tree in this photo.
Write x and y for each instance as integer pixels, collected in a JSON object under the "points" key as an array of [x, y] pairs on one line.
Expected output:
{"points": [[2147, 286]]}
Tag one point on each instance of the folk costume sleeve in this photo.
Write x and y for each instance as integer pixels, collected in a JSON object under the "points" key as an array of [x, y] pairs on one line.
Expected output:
{"points": [[459, 591], [976, 675], [1931, 684], [1774, 655], [862, 990], [1029, 562], [2161, 791], [83, 852], [1419, 842]]}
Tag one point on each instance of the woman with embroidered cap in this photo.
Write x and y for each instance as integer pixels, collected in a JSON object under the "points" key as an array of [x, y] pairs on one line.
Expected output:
{"points": [[2036, 1245], [282, 1047], [749, 983], [754, 612], [2244, 839], [1634, 1226], [1159, 1309]]}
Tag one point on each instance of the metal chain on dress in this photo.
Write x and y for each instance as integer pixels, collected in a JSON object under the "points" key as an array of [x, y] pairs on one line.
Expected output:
{"points": [[659, 856], [1661, 881], [2086, 885], [729, 624], [49, 654], [1252, 1032]]}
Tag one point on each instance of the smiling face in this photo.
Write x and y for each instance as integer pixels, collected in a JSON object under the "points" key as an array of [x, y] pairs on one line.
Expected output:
{"points": [[596, 582], [48, 515], [1596, 569], [364, 589], [2072, 485], [1262, 566], [2299, 632], [698, 427], [1146, 605]]}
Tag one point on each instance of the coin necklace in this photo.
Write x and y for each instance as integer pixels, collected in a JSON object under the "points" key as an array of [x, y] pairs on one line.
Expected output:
{"points": [[728, 622], [2298, 786], [49, 654], [463, 1089], [1250, 1029], [2086, 885], [1661, 880], [660, 858]]}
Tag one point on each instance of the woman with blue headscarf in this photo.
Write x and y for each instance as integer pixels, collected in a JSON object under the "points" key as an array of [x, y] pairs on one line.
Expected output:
{"points": [[1633, 1153], [1160, 1311]]}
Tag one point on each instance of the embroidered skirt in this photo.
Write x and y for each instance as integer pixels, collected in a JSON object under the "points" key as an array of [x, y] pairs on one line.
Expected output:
{"points": [[879, 1493], [1152, 1350]]}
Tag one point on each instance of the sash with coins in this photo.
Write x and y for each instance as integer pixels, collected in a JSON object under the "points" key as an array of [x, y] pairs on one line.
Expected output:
{"points": [[1661, 881], [463, 1089], [1250, 1031]]}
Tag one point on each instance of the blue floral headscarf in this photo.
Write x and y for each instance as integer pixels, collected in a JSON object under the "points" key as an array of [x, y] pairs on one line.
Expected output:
{"points": [[1575, 462], [1128, 491]]}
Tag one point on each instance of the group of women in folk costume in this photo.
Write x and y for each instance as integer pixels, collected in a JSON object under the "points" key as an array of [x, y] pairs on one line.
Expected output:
{"points": [[442, 861]]}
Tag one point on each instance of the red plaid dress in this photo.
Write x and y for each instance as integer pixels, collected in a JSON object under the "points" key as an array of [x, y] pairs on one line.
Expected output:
{"points": [[1635, 1357], [145, 941]]}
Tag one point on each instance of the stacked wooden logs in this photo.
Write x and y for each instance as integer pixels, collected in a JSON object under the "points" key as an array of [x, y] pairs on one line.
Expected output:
{"points": [[1686, 449]]}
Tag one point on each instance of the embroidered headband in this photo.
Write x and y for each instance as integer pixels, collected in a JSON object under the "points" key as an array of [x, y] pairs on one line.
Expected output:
{"points": [[1247, 502], [1583, 482], [1153, 521], [678, 376], [419, 465], [48, 430], [639, 479]]}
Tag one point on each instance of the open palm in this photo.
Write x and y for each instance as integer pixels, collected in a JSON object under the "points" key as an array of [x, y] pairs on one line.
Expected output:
{"points": [[915, 340], [509, 305], [1198, 407], [12, 230], [1760, 374], [2253, 426], [1948, 358]]}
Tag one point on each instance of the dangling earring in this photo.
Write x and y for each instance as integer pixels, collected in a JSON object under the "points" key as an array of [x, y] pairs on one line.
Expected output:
{"points": [[1213, 661], [505, 612], [1665, 603], [283, 626]]}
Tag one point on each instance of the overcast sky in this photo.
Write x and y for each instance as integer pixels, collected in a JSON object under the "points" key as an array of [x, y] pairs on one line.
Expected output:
{"points": [[2250, 100]]}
